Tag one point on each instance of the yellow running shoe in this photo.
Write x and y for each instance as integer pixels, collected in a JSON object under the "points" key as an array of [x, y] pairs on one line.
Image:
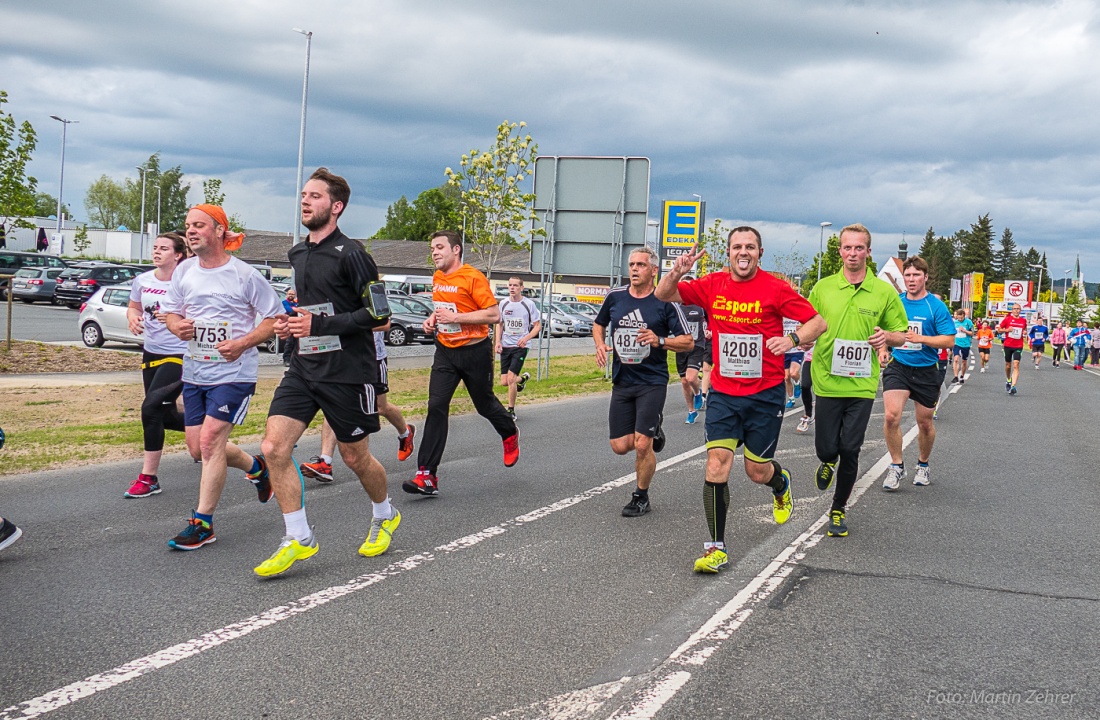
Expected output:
{"points": [[783, 504], [289, 551], [381, 532], [713, 559]]}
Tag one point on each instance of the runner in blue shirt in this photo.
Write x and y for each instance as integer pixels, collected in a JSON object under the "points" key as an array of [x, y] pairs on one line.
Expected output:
{"points": [[960, 353], [1038, 335], [914, 372]]}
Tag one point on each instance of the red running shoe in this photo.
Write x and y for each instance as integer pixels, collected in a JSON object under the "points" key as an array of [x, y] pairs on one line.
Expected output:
{"points": [[511, 449], [405, 444], [423, 484]]}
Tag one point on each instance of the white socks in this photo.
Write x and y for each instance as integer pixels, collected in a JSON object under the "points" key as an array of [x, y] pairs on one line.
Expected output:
{"points": [[297, 526], [383, 509]]}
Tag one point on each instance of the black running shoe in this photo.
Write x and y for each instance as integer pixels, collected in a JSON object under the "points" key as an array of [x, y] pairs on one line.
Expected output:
{"points": [[522, 382], [9, 533], [824, 475], [638, 505]]}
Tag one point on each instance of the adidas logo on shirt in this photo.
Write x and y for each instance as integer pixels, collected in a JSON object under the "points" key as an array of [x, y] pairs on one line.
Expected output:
{"points": [[224, 409], [340, 248], [633, 319], [357, 431]]}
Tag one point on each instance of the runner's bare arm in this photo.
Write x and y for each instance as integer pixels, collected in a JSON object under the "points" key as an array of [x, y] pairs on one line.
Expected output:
{"points": [[133, 318], [680, 343], [485, 316], [598, 336], [666, 288], [181, 327]]}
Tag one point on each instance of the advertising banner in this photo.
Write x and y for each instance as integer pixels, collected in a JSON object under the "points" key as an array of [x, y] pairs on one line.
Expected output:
{"points": [[1018, 291], [996, 292], [956, 290], [591, 293], [977, 286]]}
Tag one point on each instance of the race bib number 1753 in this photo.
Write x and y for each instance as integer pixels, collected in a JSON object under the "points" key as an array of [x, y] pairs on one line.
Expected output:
{"points": [[203, 347]]}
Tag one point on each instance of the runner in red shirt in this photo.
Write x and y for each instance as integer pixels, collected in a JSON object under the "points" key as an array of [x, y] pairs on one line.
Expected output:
{"points": [[1012, 330]]}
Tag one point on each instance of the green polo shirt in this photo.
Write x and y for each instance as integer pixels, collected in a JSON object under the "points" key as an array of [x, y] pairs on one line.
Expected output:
{"points": [[852, 314]]}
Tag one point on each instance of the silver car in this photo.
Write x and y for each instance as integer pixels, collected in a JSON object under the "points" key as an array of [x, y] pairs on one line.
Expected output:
{"points": [[35, 284], [581, 324], [103, 317]]}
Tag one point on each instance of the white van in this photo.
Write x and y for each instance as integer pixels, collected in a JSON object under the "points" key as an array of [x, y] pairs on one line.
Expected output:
{"points": [[408, 284]]}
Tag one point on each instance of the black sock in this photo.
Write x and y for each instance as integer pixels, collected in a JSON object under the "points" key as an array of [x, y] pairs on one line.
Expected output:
{"points": [[716, 500], [641, 493], [778, 483]]}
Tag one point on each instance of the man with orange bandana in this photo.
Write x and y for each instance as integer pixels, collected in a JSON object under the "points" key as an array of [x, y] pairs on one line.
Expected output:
{"points": [[465, 307], [212, 304], [745, 308]]}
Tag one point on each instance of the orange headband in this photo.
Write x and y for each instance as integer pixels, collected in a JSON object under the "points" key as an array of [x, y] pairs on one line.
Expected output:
{"points": [[233, 240]]}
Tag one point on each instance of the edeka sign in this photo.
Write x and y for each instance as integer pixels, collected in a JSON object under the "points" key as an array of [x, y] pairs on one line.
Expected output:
{"points": [[681, 223]]}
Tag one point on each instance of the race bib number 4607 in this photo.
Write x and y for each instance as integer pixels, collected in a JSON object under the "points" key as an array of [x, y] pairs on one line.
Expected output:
{"points": [[851, 358], [203, 347]]}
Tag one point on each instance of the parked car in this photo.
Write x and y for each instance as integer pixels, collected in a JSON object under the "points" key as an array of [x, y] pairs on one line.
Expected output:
{"points": [[11, 261], [35, 283], [406, 321], [559, 325], [588, 310], [582, 326], [103, 317], [75, 290]]}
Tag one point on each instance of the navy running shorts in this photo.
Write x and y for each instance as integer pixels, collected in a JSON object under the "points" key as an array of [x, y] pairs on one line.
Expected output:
{"points": [[636, 409], [750, 420], [227, 402]]}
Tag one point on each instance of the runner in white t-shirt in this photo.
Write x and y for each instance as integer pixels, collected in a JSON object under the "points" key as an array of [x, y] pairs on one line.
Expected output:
{"points": [[213, 304], [161, 358], [520, 323]]}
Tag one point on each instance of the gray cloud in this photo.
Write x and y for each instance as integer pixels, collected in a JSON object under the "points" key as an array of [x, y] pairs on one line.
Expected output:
{"points": [[786, 113]]}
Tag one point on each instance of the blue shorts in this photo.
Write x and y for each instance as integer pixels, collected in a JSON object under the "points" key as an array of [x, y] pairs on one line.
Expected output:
{"points": [[795, 357], [963, 352], [228, 402], [750, 420]]}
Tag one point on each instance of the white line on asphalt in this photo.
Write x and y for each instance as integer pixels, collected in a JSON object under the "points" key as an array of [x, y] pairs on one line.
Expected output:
{"points": [[673, 674], [136, 668]]}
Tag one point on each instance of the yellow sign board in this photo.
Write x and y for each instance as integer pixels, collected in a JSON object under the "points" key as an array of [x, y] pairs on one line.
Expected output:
{"points": [[681, 224], [996, 292], [977, 284]]}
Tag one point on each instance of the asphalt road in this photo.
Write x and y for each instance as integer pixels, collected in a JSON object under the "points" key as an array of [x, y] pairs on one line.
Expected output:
{"points": [[523, 593]]}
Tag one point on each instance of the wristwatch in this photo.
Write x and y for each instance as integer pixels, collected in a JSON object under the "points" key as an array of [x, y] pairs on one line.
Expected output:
{"points": [[660, 342], [794, 338]]}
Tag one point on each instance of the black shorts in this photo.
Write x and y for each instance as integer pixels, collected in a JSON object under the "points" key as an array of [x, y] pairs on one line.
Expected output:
{"points": [[383, 385], [750, 420], [984, 351], [636, 409], [1038, 347], [1013, 354], [922, 383], [511, 360], [351, 410], [708, 352], [690, 359]]}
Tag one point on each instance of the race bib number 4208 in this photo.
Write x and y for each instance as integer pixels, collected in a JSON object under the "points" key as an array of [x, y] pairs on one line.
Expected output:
{"points": [[740, 356], [851, 358], [203, 347]]}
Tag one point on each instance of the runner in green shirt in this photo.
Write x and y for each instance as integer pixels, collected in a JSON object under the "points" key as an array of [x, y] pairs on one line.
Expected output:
{"points": [[864, 314]]}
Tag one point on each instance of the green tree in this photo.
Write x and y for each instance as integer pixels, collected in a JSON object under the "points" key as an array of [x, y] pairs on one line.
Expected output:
{"points": [[434, 209], [45, 205], [1031, 257], [212, 195], [715, 241], [830, 265], [1005, 258], [498, 212], [173, 196], [105, 201], [939, 253], [80, 240], [791, 263], [1074, 307], [17, 189], [976, 247]]}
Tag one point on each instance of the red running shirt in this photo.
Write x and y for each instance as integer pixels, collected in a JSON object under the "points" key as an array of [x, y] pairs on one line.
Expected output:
{"points": [[1015, 329]]}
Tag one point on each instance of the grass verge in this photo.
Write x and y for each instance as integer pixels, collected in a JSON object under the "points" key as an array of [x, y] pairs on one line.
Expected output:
{"points": [[51, 428]]}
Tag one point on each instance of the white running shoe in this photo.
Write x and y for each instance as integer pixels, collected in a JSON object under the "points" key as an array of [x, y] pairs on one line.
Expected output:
{"points": [[894, 475], [804, 424], [983, 369], [922, 478]]}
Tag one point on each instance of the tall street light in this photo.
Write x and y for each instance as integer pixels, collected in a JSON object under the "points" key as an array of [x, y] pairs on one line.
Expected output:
{"points": [[1039, 290], [61, 184], [141, 250], [1065, 285], [820, 248], [301, 141]]}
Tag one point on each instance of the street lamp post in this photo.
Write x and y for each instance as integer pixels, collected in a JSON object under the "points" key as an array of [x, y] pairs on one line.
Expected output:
{"points": [[301, 140], [141, 250], [821, 248], [1065, 285], [61, 183], [1039, 289]]}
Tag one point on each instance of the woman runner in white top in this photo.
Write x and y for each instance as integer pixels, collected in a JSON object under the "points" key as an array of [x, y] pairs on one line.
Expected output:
{"points": [[161, 358]]}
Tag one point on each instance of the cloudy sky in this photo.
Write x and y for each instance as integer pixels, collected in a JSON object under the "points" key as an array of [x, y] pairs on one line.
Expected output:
{"points": [[900, 115]]}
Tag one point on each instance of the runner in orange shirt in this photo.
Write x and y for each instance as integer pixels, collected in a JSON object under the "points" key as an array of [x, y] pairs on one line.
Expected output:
{"points": [[985, 342], [465, 307]]}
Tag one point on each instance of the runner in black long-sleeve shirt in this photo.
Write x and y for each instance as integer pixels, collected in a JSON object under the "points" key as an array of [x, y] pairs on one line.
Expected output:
{"points": [[332, 371]]}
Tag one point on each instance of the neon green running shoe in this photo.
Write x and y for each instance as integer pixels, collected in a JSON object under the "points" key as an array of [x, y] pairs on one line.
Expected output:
{"points": [[824, 475], [290, 551], [782, 505], [713, 559], [381, 532], [837, 526]]}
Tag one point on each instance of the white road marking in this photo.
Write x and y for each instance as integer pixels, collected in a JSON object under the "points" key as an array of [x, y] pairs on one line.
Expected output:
{"points": [[674, 672], [136, 668]]}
